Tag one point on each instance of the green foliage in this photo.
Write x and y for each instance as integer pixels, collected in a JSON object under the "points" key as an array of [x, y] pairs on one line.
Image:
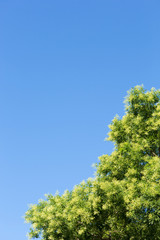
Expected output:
{"points": [[123, 200]]}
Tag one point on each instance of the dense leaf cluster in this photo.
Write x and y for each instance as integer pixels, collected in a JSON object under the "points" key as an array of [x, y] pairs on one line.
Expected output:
{"points": [[123, 200]]}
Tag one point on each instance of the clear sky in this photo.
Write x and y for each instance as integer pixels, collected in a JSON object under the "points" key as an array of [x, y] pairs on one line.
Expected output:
{"points": [[65, 68]]}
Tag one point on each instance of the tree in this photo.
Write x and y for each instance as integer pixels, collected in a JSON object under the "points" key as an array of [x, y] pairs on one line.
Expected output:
{"points": [[123, 200]]}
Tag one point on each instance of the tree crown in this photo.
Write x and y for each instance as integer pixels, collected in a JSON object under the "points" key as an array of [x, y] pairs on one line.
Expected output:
{"points": [[123, 200]]}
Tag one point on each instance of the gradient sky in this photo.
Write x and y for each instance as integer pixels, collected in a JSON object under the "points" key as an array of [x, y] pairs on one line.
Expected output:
{"points": [[65, 68]]}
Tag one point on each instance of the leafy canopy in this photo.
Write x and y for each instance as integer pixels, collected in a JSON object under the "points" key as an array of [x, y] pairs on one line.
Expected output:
{"points": [[123, 200]]}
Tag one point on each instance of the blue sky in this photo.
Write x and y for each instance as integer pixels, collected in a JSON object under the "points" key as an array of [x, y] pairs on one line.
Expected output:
{"points": [[65, 69]]}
